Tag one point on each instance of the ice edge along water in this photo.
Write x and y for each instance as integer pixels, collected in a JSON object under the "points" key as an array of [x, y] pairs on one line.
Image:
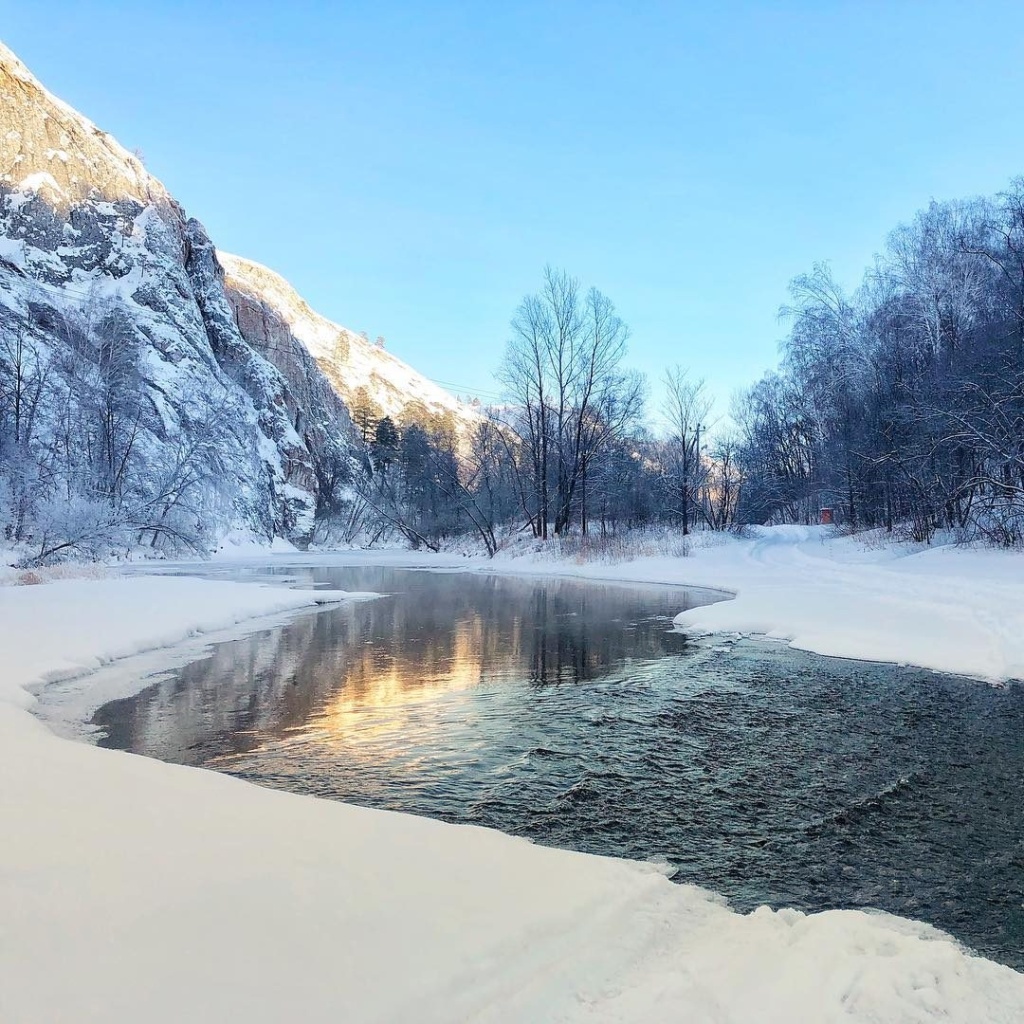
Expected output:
{"points": [[137, 890]]}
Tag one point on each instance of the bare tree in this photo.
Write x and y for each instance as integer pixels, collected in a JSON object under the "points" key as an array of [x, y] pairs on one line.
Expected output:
{"points": [[569, 396], [722, 482], [686, 409], [24, 375], [525, 376]]}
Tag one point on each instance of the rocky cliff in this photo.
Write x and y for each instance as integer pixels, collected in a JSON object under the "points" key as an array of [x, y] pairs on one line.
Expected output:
{"points": [[100, 269], [278, 322]]}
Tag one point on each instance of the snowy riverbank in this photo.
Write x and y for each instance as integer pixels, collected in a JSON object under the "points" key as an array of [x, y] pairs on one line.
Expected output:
{"points": [[134, 890]]}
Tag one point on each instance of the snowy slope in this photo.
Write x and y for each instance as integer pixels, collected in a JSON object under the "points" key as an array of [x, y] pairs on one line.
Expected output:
{"points": [[349, 361]]}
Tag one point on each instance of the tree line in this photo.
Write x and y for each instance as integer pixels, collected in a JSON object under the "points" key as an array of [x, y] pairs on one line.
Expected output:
{"points": [[898, 405], [568, 451], [901, 404]]}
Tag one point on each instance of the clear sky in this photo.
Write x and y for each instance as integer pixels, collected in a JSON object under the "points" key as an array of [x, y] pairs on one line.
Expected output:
{"points": [[411, 167]]}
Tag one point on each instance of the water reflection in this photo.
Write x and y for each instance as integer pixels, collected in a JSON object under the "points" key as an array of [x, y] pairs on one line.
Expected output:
{"points": [[368, 670]]}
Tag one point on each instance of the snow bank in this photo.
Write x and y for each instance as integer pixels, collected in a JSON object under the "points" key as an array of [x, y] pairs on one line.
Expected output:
{"points": [[64, 629], [139, 891], [951, 609]]}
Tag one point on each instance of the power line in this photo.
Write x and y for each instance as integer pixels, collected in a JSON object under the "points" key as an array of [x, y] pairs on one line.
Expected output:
{"points": [[166, 318], [468, 389]]}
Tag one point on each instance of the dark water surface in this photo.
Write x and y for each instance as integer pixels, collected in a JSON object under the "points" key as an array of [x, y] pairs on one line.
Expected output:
{"points": [[572, 714]]}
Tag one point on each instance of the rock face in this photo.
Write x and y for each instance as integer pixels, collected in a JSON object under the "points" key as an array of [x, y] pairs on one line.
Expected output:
{"points": [[47, 145], [89, 239], [278, 322]]}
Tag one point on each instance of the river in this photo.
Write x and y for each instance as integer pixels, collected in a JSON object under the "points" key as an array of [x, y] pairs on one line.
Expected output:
{"points": [[574, 714]]}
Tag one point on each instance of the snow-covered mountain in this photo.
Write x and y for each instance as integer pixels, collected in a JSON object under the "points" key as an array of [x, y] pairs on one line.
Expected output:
{"points": [[272, 315], [239, 391]]}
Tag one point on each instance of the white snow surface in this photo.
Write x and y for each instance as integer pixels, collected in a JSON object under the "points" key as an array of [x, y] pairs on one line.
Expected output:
{"points": [[134, 890], [947, 608]]}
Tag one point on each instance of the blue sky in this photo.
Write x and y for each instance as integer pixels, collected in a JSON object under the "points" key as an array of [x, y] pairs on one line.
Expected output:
{"points": [[411, 167]]}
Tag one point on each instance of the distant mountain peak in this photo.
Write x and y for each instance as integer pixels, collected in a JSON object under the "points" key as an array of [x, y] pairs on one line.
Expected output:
{"points": [[46, 145]]}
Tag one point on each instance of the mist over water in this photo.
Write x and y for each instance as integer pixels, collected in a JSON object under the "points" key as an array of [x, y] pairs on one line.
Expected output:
{"points": [[573, 714]]}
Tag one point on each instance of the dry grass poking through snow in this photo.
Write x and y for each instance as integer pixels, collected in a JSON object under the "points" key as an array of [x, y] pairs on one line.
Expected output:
{"points": [[9, 576], [612, 548]]}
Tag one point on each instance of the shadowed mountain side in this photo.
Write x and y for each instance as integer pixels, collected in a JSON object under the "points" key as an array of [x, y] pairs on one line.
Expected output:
{"points": [[97, 260]]}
